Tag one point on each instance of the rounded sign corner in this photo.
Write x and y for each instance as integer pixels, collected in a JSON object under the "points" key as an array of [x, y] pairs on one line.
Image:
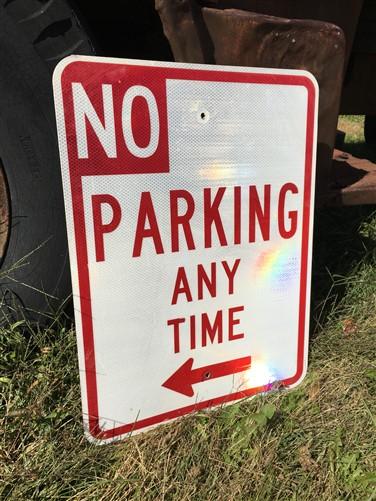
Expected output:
{"points": [[311, 84], [67, 62], [298, 378], [94, 439]]}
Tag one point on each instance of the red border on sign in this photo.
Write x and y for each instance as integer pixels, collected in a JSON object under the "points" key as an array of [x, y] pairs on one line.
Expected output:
{"points": [[89, 70]]}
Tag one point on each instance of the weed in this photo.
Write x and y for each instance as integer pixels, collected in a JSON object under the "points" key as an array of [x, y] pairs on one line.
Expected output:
{"points": [[313, 442]]}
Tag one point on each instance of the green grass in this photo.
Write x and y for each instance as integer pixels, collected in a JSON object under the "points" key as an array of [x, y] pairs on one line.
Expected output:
{"points": [[314, 442]]}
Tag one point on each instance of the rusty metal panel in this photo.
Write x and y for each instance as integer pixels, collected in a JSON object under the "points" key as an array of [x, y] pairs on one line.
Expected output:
{"points": [[237, 37], [344, 14]]}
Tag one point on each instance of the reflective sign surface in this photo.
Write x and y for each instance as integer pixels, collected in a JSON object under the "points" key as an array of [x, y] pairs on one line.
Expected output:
{"points": [[188, 193]]}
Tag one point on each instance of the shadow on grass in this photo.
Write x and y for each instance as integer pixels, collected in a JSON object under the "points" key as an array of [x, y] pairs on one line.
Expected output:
{"points": [[340, 243]]}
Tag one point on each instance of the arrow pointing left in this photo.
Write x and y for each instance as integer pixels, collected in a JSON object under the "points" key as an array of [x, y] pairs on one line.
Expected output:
{"points": [[182, 380]]}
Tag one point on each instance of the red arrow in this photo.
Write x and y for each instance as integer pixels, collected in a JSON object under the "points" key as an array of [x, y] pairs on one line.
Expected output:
{"points": [[182, 380]]}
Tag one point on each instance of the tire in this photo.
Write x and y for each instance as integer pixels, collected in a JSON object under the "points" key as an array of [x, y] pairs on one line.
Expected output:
{"points": [[34, 36], [370, 129]]}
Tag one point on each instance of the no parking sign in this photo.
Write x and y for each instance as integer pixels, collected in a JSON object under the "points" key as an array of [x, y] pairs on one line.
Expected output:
{"points": [[189, 198]]}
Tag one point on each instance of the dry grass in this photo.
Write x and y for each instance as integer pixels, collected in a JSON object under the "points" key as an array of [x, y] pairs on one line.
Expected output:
{"points": [[353, 126], [314, 442]]}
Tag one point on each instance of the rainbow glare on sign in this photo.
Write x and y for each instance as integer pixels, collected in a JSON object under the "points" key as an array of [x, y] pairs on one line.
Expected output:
{"points": [[278, 266], [217, 171], [260, 374]]}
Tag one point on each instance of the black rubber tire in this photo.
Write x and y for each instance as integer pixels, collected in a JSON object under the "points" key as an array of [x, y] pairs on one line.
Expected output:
{"points": [[370, 129], [34, 36]]}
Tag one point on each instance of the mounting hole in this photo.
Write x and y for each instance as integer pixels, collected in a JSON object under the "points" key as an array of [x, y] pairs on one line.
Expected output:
{"points": [[203, 116], [207, 375]]}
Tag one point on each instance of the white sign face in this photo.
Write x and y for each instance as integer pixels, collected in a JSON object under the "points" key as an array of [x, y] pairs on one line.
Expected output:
{"points": [[189, 196]]}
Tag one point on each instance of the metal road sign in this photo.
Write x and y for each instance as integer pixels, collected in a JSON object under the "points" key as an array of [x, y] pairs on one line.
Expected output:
{"points": [[189, 197]]}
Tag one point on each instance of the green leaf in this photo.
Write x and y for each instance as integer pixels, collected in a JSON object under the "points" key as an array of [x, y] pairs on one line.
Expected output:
{"points": [[260, 418], [268, 410], [17, 324]]}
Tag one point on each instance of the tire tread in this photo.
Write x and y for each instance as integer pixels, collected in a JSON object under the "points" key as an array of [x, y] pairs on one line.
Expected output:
{"points": [[52, 27]]}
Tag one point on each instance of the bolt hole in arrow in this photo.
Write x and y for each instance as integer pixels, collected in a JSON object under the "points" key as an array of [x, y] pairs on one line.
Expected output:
{"points": [[185, 377]]}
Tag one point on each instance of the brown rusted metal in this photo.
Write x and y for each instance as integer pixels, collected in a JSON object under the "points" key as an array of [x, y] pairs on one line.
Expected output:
{"points": [[238, 37], [4, 213], [344, 14], [240, 32], [354, 180]]}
